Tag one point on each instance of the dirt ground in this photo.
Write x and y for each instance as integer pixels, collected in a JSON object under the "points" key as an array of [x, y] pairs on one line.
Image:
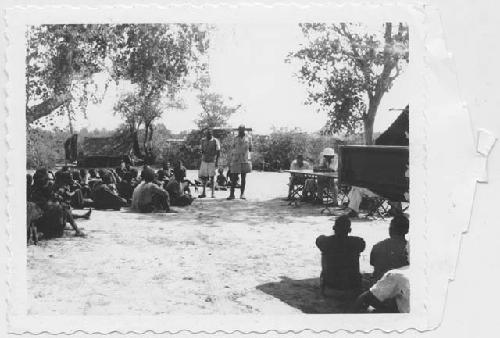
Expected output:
{"points": [[214, 257]]}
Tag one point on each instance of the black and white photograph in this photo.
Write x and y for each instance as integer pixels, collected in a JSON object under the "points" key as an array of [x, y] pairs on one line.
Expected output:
{"points": [[191, 168]]}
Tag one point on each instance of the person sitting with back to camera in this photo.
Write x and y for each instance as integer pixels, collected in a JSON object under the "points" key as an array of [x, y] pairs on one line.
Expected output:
{"points": [[148, 196], [340, 275], [389, 294], [391, 253]]}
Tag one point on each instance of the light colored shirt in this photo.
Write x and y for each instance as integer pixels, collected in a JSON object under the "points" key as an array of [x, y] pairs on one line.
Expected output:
{"points": [[395, 284], [295, 165], [241, 149], [209, 149], [333, 165]]}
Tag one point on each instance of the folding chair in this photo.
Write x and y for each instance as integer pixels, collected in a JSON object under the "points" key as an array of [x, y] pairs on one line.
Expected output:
{"points": [[296, 192], [330, 198], [379, 206]]}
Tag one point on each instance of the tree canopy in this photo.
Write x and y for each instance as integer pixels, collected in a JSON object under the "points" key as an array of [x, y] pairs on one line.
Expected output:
{"points": [[347, 71], [216, 110], [63, 59]]}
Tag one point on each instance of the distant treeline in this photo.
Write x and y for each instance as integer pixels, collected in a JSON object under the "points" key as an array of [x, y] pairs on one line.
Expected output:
{"points": [[277, 149]]}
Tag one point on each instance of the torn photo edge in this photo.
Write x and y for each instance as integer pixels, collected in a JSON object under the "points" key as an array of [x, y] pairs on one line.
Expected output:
{"points": [[443, 164]]}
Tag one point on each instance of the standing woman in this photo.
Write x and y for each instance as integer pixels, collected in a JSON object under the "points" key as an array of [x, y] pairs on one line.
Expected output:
{"points": [[240, 161]]}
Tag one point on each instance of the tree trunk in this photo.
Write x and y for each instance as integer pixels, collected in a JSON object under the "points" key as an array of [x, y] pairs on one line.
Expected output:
{"points": [[135, 146], [145, 139], [369, 120], [368, 125], [46, 107]]}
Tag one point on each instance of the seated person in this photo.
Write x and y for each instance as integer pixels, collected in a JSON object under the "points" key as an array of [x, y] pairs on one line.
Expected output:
{"points": [[340, 259], [221, 181], [178, 187], [126, 186], [391, 252], [167, 170], [84, 183], [356, 195], [55, 212], [300, 164], [105, 194], [391, 293], [149, 197], [328, 163], [68, 191], [297, 164]]}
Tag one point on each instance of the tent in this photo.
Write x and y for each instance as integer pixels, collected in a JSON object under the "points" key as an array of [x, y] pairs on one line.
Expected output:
{"points": [[381, 168], [103, 152]]}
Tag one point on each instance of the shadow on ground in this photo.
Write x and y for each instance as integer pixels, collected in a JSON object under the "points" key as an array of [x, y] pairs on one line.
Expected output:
{"points": [[305, 295]]}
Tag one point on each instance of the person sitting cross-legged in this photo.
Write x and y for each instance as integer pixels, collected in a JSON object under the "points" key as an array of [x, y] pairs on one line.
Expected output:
{"points": [[148, 196], [340, 252], [391, 252]]}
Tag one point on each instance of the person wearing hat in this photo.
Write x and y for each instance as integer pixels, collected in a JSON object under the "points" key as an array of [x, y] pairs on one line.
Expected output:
{"points": [[340, 259], [240, 161], [149, 197], [328, 163]]}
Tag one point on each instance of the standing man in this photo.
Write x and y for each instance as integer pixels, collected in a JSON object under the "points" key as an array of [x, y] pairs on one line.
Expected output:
{"points": [[240, 161], [210, 152]]}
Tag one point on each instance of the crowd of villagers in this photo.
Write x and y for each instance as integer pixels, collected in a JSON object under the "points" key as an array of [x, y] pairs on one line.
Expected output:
{"points": [[53, 197]]}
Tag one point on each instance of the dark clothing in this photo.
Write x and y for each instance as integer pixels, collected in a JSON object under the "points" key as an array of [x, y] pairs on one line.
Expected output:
{"points": [[340, 261], [387, 255], [125, 189], [179, 197], [41, 195], [53, 220], [221, 180], [180, 173], [107, 198]]}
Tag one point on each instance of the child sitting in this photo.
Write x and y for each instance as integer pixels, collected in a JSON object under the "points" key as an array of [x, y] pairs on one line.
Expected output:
{"points": [[221, 181]]}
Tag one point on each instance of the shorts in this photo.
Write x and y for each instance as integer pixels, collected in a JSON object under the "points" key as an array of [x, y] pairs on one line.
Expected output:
{"points": [[241, 168], [207, 169]]}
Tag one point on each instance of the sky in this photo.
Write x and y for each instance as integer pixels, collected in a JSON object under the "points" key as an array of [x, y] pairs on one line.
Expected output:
{"points": [[247, 64]]}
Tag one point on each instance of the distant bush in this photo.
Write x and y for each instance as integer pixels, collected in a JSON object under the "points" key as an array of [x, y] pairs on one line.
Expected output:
{"points": [[44, 148]]}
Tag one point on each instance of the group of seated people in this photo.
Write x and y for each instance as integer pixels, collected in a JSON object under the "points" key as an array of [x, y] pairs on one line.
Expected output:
{"points": [[52, 196], [387, 290]]}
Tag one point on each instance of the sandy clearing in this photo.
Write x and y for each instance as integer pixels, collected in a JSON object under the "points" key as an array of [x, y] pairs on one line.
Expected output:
{"points": [[214, 257]]}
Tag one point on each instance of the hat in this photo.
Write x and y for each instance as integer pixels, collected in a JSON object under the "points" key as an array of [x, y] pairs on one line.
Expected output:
{"points": [[328, 152]]}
